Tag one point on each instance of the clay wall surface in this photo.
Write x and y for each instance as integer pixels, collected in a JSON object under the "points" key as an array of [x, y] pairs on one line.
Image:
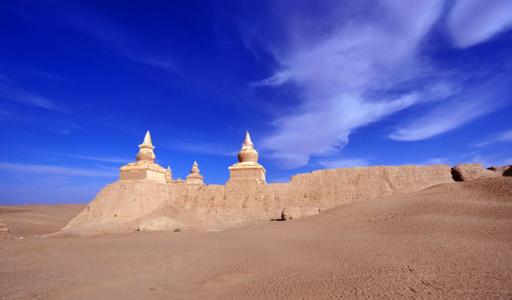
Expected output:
{"points": [[142, 175], [123, 205], [328, 188], [118, 206]]}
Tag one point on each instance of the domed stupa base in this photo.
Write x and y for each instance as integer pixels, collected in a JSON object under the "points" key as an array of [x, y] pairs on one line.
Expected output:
{"points": [[246, 174], [143, 171], [195, 176], [247, 170], [145, 167], [194, 179]]}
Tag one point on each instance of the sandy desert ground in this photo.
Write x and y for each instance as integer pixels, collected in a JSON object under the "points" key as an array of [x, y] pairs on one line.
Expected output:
{"points": [[450, 240]]}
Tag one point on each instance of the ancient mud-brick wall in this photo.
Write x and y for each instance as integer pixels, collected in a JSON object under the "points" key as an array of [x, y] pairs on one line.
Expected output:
{"points": [[328, 188], [324, 189], [118, 206], [122, 205], [227, 206]]}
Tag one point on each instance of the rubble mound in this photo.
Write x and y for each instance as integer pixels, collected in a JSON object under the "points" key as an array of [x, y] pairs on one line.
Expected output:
{"points": [[501, 170], [160, 224], [296, 212], [508, 172], [465, 172]]}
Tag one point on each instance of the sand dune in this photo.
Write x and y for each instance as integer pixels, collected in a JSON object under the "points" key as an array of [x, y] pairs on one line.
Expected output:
{"points": [[451, 240], [25, 220]]}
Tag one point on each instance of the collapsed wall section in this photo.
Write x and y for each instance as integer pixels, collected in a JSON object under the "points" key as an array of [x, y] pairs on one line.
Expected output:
{"points": [[328, 188], [118, 207]]}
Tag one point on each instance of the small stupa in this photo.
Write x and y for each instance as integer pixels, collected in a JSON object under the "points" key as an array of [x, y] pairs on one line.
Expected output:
{"points": [[195, 177], [144, 168], [247, 170], [168, 175]]}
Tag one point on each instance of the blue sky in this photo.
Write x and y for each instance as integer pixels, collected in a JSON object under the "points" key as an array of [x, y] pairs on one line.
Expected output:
{"points": [[319, 84]]}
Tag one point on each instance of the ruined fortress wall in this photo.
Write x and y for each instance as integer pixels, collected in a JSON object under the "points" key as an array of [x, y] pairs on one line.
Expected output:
{"points": [[219, 206], [231, 205], [323, 189], [328, 188], [123, 205], [118, 206]]}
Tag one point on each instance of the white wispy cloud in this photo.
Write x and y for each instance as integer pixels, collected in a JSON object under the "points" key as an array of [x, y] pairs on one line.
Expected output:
{"points": [[53, 170], [94, 158], [471, 22], [33, 100], [5, 113], [202, 148], [455, 112], [358, 69], [501, 137], [322, 130], [344, 75], [47, 75], [505, 136]]}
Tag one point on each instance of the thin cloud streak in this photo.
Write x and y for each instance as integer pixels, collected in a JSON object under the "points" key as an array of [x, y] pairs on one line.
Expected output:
{"points": [[53, 170], [456, 112], [93, 158], [203, 148], [502, 137], [119, 41], [34, 100]]}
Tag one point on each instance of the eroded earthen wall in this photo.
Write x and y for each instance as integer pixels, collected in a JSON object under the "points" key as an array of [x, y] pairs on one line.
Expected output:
{"points": [[328, 188], [125, 204]]}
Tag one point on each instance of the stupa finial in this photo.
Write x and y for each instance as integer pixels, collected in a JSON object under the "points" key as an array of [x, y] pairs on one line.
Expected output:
{"points": [[195, 168], [168, 175], [248, 140], [147, 140]]}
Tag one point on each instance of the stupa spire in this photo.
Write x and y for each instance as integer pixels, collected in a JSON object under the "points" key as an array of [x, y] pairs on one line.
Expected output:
{"points": [[168, 175], [248, 141], [195, 168], [147, 140]]}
